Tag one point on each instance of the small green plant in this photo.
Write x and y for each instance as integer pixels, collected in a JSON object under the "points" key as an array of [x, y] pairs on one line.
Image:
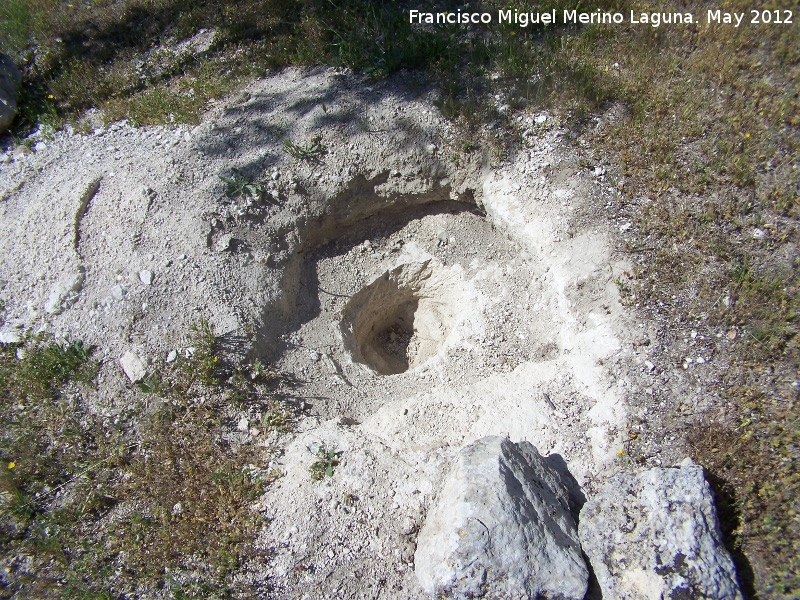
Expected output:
{"points": [[259, 371], [327, 461], [40, 367], [626, 295], [203, 362], [310, 151], [240, 185], [277, 416], [151, 384]]}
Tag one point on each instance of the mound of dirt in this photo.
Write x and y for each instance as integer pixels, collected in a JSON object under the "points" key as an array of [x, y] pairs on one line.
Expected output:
{"points": [[417, 298]]}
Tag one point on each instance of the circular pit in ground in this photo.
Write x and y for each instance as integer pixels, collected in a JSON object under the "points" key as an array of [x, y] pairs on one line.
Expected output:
{"points": [[402, 318]]}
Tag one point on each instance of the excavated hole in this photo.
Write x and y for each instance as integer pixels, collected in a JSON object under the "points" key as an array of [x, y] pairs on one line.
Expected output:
{"points": [[455, 292], [401, 319]]}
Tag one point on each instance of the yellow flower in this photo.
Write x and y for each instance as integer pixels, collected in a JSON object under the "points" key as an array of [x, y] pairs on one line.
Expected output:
{"points": [[50, 96], [619, 452], [747, 135], [12, 464], [605, 70]]}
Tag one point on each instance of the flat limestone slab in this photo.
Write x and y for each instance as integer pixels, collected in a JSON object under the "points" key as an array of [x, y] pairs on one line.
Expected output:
{"points": [[655, 534]]}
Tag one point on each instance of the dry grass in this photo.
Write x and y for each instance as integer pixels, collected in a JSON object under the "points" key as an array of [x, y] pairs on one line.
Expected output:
{"points": [[709, 170], [105, 508]]}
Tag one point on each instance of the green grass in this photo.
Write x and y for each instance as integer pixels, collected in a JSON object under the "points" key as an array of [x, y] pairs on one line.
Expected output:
{"points": [[711, 137], [122, 57], [153, 499]]}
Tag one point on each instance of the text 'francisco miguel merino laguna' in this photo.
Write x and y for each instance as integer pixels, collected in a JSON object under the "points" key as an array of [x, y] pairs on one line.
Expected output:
{"points": [[523, 19]]}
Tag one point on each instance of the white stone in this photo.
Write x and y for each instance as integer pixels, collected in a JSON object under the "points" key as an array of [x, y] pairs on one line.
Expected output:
{"points": [[243, 424], [9, 336], [118, 292], [64, 293], [133, 366], [655, 534], [146, 277], [172, 356], [223, 243], [501, 527]]}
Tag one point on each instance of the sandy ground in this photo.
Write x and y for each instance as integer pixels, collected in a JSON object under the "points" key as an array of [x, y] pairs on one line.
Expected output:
{"points": [[419, 297]]}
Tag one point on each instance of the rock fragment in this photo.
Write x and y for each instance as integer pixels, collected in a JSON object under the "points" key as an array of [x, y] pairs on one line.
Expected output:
{"points": [[146, 277], [133, 366], [501, 528], [64, 293], [223, 243], [9, 89], [118, 292], [655, 534], [9, 336]]}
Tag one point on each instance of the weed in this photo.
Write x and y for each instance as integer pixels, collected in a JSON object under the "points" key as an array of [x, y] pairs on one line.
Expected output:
{"points": [[240, 185], [277, 416], [204, 363], [310, 151], [151, 384], [327, 461], [39, 367], [259, 371]]}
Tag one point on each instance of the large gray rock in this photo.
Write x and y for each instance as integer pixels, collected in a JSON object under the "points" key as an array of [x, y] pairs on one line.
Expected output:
{"points": [[656, 535], [9, 88], [501, 528]]}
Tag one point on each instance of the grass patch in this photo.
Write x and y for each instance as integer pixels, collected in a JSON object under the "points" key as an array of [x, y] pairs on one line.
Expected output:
{"points": [[157, 61], [105, 507], [707, 146]]}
